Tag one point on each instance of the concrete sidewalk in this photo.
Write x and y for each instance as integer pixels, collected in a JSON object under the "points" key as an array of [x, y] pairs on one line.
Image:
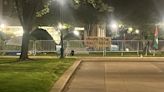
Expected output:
{"points": [[118, 77]]}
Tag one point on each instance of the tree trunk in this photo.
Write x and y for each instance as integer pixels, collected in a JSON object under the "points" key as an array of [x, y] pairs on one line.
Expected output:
{"points": [[24, 47], [62, 46], [26, 10]]}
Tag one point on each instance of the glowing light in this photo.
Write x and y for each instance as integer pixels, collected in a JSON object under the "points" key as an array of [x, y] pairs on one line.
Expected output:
{"points": [[137, 31], [130, 29], [120, 25], [64, 27], [114, 26], [79, 28], [127, 49], [60, 26], [2, 26], [76, 33]]}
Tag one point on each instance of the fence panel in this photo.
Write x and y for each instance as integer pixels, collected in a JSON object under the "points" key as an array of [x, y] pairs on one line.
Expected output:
{"points": [[161, 45], [116, 45], [44, 46], [131, 45], [96, 47]]}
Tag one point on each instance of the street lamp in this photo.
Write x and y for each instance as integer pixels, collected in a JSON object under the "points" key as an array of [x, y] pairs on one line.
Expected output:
{"points": [[137, 31], [114, 26], [76, 32], [130, 29], [60, 27], [61, 4], [1, 10], [2, 26]]}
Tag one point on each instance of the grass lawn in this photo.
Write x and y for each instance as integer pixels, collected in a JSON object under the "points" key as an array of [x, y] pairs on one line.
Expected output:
{"points": [[31, 76]]}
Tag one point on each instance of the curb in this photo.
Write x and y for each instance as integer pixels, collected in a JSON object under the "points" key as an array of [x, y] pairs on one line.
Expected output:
{"points": [[63, 80], [125, 59], [35, 57]]}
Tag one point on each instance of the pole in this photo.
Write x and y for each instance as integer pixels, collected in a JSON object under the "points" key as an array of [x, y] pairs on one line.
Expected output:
{"points": [[154, 52], [124, 40], [62, 47], [138, 48], [1, 11], [61, 30]]}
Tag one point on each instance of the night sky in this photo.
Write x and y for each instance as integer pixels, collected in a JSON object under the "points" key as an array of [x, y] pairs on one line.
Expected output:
{"points": [[134, 12], [139, 10]]}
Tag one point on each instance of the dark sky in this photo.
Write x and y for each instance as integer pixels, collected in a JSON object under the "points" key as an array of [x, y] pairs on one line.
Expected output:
{"points": [[159, 5], [138, 10]]}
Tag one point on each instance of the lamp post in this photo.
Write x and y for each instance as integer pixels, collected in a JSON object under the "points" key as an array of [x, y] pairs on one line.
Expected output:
{"points": [[124, 41], [114, 28], [1, 10], [60, 27], [61, 2], [62, 45], [126, 31]]}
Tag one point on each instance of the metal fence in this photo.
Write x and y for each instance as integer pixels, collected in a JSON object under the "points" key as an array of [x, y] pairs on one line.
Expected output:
{"points": [[82, 47]]}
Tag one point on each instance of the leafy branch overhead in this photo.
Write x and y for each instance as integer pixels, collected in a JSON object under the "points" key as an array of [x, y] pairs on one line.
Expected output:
{"points": [[45, 10], [97, 4]]}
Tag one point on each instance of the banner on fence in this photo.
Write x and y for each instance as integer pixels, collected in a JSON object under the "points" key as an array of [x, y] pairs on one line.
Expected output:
{"points": [[98, 42]]}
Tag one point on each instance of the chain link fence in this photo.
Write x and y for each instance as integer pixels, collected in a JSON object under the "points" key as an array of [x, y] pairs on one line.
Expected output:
{"points": [[82, 47]]}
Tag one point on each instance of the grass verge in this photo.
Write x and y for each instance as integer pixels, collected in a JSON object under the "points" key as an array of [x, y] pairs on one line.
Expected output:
{"points": [[31, 76]]}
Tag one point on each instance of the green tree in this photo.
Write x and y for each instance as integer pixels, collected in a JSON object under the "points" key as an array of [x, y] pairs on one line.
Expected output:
{"points": [[92, 13], [26, 10], [29, 10], [97, 12]]}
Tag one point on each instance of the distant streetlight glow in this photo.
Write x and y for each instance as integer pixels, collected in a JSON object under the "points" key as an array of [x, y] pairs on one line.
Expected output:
{"points": [[76, 33], [120, 25], [127, 49], [114, 26], [2, 26], [130, 29], [137, 31], [60, 26], [79, 28]]}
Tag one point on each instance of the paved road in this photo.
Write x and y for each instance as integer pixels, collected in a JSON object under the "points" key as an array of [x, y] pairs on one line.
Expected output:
{"points": [[118, 77]]}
